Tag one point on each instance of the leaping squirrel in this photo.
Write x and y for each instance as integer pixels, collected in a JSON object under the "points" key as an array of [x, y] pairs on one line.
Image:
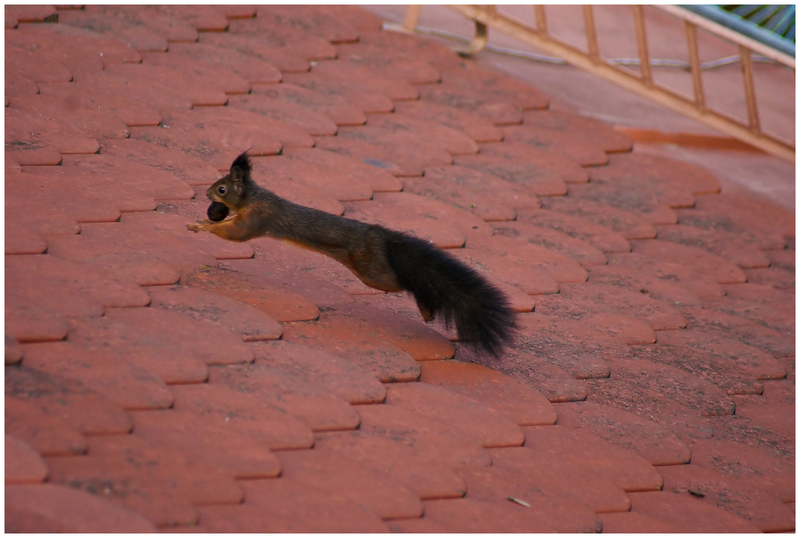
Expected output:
{"points": [[384, 259]]}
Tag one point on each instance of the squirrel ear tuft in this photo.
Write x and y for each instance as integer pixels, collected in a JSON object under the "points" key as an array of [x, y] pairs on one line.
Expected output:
{"points": [[242, 162]]}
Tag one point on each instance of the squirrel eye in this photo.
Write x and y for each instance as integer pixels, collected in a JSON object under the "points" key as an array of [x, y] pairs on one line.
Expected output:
{"points": [[221, 189]]}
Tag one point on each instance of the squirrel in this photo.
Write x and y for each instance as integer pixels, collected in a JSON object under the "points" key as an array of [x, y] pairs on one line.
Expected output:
{"points": [[385, 259]]}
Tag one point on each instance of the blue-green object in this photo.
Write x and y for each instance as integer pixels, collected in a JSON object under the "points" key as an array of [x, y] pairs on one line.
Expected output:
{"points": [[771, 25]]}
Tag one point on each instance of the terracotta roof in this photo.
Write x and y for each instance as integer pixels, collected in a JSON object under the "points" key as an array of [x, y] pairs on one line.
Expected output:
{"points": [[158, 379]]}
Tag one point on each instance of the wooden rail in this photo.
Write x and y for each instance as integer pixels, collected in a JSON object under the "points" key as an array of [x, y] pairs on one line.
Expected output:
{"points": [[750, 132]]}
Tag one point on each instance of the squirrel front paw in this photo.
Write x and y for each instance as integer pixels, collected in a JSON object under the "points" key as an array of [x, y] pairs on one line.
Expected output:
{"points": [[199, 226]]}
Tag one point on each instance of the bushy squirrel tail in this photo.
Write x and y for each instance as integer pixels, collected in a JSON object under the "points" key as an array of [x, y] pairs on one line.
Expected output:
{"points": [[443, 285]]}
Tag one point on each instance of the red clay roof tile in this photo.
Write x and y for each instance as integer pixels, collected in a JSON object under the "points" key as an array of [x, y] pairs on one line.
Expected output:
{"points": [[636, 522], [126, 29], [483, 184], [17, 14], [288, 505], [555, 383], [23, 464], [581, 127], [192, 170], [110, 49], [471, 100], [319, 408], [541, 172], [175, 481], [54, 508], [574, 346], [760, 465], [485, 424], [563, 145], [354, 340], [553, 240], [255, 291], [337, 108], [763, 510], [126, 383], [34, 323], [480, 202], [427, 130], [122, 107], [324, 24], [243, 413], [502, 88], [21, 239], [35, 67], [655, 443], [349, 479], [185, 67], [339, 375], [499, 492], [586, 298], [157, 95], [596, 235], [16, 84], [282, 59], [412, 70], [275, 42], [35, 141], [724, 245], [524, 406], [511, 270], [574, 444], [249, 323], [369, 93], [426, 479], [431, 440], [556, 477], [295, 114], [68, 401], [629, 225], [689, 512], [193, 85], [202, 18], [47, 434], [357, 171], [228, 450], [13, 351]]}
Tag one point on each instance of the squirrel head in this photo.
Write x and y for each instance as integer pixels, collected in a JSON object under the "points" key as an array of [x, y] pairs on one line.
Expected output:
{"points": [[231, 190]]}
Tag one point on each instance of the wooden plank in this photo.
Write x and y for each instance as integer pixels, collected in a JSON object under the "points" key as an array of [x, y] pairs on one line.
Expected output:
{"points": [[749, 89], [412, 18], [694, 62], [641, 44]]}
